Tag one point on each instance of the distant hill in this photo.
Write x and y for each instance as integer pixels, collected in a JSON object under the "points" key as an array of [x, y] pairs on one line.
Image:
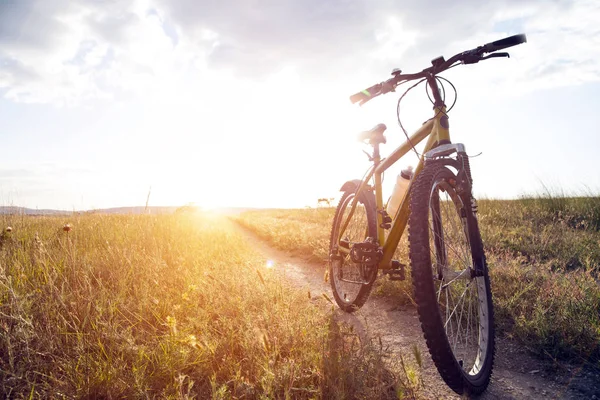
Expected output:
{"points": [[14, 210], [4, 210], [133, 210], [164, 210]]}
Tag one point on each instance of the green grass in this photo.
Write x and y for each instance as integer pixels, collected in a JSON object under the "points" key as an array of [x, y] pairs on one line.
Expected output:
{"points": [[561, 233], [164, 307], [544, 257]]}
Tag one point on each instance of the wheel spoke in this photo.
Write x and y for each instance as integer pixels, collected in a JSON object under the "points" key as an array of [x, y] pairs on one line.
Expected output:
{"points": [[459, 300], [459, 326], [448, 245], [464, 257], [468, 319], [351, 281]]}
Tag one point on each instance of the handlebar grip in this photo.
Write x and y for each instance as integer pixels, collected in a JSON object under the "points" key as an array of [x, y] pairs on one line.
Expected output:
{"points": [[366, 95], [504, 43]]}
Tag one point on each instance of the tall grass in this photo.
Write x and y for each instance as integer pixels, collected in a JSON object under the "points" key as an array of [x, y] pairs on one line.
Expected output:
{"points": [[163, 306], [544, 257], [544, 253], [303, 232], [558, 232], [553, 313]]}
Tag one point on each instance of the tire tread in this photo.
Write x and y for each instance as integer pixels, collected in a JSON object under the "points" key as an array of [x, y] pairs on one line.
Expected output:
{"points": [[424, 291]]}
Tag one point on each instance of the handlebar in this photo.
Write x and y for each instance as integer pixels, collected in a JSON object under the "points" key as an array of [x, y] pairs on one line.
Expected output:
{"points": [[472, 56], [365, 95], [504, 43]]}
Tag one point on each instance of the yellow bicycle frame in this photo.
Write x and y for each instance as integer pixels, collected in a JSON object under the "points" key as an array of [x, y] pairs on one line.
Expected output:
{"points": [[438, 132]]}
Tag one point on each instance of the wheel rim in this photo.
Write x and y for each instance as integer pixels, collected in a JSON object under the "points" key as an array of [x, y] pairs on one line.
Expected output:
{"points": [[349, 277], [461, 299]]}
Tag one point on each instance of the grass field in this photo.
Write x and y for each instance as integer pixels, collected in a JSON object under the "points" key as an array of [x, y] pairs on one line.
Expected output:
{"points": [[181, 306], [165, 307], [544, 257]]}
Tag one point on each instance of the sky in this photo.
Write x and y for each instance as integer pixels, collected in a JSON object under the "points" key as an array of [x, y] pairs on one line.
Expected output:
{"points": [[245, 103]]}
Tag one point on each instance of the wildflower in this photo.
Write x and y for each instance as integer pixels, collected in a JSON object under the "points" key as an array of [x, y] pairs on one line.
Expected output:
{"points": [[8, 229], [193, 341], [38, 245], [67, 227], [172, 324]]}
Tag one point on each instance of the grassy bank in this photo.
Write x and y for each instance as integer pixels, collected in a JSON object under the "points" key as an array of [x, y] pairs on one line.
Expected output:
{"points": [[164, 306], [544, 257]]}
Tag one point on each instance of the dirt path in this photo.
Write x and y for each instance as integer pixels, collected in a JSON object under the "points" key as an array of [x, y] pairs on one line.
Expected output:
{"points": [[516, 375]]}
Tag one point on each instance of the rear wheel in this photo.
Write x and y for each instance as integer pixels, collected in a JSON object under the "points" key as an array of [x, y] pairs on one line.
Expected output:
{"points": [[351, 282], [454, 302]]}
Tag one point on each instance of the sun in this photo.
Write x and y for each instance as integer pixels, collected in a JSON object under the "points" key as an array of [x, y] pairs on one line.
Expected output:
{"points": [[282, 143]]}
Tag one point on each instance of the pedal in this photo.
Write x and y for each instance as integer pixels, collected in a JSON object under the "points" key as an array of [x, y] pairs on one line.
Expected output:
{"points": [[367, 253], [397, 272]]}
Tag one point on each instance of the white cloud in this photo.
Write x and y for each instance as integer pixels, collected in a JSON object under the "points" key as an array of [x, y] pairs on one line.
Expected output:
{"points": [[86, 52], [61, 52]]}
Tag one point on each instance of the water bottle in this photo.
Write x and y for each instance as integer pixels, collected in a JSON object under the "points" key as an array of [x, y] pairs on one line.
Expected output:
{"points": [[400, 188]]}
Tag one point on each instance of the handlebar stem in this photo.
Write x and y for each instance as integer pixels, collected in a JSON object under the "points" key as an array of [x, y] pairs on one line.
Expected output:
{"points": [[435, 90]]}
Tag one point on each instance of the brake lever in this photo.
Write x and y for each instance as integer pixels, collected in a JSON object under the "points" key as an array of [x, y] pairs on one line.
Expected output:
{"points": [[495, 55]]}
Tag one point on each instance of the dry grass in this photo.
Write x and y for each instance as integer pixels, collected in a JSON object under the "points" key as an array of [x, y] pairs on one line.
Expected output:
{"points": [[302, 232], [305, 233], [544, 257], [164, 307]]}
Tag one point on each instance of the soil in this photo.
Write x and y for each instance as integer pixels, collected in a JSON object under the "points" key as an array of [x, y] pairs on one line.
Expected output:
{"points": [[517, 374]]}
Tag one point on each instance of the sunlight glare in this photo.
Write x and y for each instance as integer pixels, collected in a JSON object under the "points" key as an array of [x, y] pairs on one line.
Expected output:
{"points": [[217, 161]]}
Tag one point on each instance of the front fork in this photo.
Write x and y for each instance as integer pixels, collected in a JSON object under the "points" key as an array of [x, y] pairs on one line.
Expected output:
{"points": [[463, 186]]}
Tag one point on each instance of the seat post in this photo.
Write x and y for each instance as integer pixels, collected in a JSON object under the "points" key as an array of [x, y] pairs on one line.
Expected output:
{"points": [[376, 154]]}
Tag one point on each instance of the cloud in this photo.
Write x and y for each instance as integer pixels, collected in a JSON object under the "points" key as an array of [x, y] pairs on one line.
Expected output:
{"points": [[42, 171], [61, 52], [30, 25], [12, 70], [64, 52], [18, 173], [267, 35], [339, 36]]}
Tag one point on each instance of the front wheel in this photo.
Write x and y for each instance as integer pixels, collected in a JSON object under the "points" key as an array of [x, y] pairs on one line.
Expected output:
{"points": [[450, 279], [351, 282]]}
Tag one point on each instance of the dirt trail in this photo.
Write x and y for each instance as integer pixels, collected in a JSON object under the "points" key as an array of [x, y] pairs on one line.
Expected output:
{"points": [[517, 375]]}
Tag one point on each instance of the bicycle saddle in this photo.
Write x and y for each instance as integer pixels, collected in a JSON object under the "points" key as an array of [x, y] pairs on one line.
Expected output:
{"points": [[374, 135]]}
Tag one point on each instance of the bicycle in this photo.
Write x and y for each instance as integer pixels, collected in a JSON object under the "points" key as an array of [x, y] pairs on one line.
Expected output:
{"points": [[448, 266]]}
